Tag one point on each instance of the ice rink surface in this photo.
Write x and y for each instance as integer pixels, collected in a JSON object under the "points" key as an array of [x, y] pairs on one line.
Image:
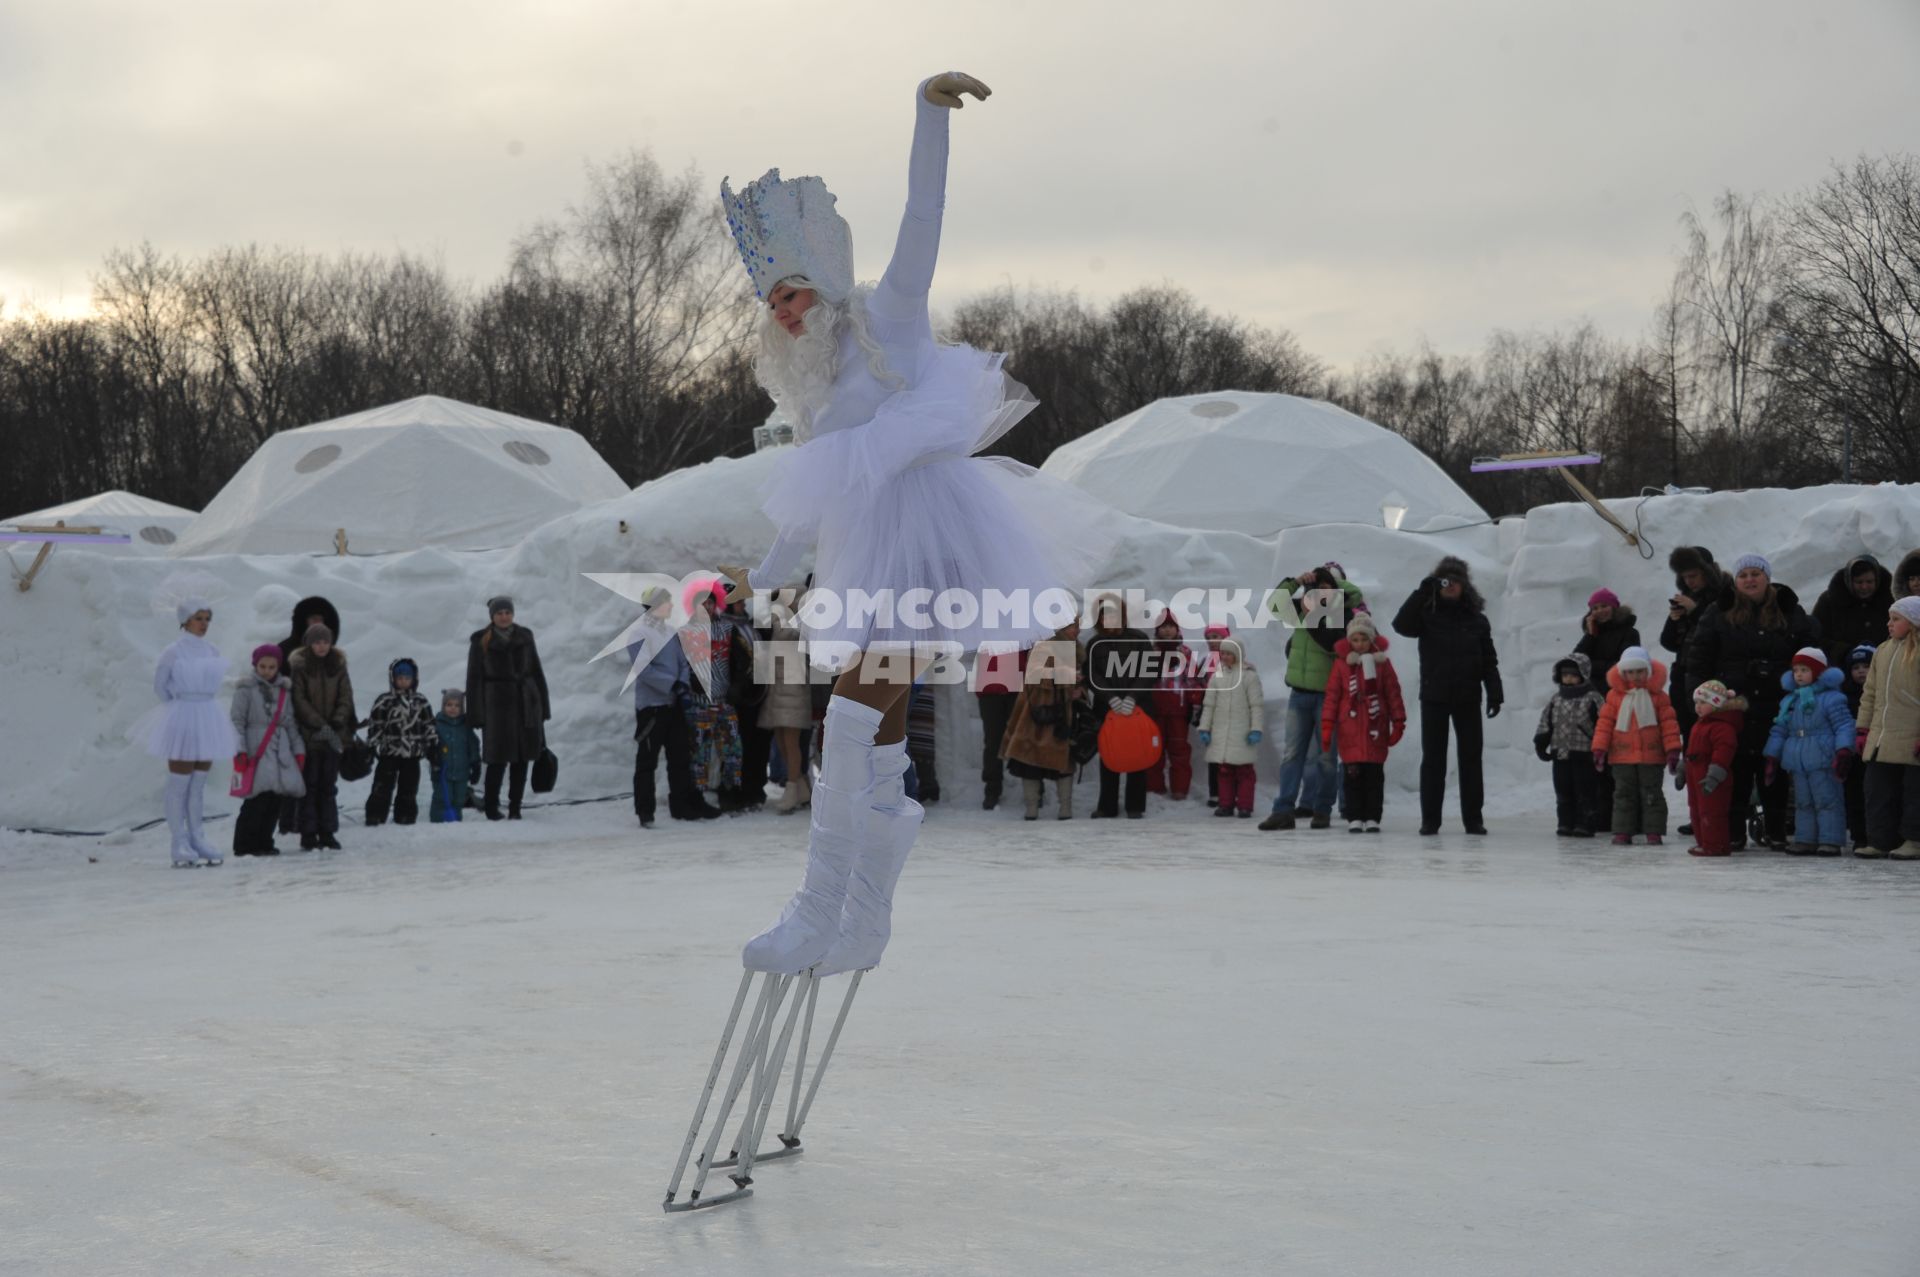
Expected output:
{"points": [[1171, 1046]]}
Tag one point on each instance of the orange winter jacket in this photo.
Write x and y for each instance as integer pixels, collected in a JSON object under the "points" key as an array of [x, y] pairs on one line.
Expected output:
{"points": [[1647, 742]]}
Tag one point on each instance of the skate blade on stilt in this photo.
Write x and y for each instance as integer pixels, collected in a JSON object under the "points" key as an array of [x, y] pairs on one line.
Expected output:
{"points": [[758, 1068]]}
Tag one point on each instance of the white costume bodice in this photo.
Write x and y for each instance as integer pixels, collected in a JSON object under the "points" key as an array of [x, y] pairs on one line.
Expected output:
{"points": [[190, 669]]}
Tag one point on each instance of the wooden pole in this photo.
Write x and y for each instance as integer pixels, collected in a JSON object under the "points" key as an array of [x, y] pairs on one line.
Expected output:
{"points": [[26, 582], [1580, 490]]}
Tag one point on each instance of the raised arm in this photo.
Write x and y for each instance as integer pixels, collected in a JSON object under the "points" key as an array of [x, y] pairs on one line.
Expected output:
{"points": [[902, 294]]}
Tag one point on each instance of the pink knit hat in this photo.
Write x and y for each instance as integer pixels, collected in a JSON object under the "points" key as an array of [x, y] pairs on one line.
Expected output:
{"points": [[1603, 597], [264, 650]]}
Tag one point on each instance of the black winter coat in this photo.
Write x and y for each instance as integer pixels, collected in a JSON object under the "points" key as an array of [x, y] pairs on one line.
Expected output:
{"points": [[1748, 658], [1456, 648], [1604, 647], [1117, 666], [1846, 621], [507, 695]]}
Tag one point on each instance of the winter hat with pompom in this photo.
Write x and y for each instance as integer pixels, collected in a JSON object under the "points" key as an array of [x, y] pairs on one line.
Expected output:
{"points": [[1362, 624], [1811, 657], [262, 652], [1712, 694]]}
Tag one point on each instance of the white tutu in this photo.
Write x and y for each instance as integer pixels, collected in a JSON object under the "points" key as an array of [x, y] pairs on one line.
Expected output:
{"points": [[197, 730], [927, 532], [192, 724]]}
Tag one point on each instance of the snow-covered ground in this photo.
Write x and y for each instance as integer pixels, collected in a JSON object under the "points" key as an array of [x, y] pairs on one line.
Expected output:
{"points": [[1171, 1046]]}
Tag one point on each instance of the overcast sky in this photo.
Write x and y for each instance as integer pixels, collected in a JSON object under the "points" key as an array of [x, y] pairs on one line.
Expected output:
{"points": [[1365, 174]]}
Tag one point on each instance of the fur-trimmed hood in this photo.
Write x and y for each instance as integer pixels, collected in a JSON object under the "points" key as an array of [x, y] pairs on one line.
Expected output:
{"points": [[1656, 677], [1696, 558], [1909, 566], [1579, 661]]}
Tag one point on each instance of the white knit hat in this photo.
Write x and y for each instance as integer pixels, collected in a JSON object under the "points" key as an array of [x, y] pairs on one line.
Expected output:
{"points": [[1635, 658]]}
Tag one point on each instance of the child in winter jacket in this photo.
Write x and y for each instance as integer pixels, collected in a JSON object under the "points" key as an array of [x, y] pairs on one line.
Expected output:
{"points": [[1812, 741], [1853, 789], [400, 729], [1637, 732], [1232, 713], [1176, 694], [1887, 737], [456, 763], [263, 717], [1565, 739], [1720, 719], [1364, 715], [323, 706]]}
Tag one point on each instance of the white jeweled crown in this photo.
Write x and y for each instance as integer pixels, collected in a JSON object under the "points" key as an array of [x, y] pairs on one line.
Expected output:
{"points": [[790, 228]]}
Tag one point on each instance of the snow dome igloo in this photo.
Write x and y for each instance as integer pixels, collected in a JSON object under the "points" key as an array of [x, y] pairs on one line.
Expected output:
{"points": [[424, 471], [1257, 463], [153, 526]]}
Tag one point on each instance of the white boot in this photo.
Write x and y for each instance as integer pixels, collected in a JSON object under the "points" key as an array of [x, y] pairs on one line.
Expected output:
{"points": [[810, 923], [795, 796], [1064, 785], [196, 793], [893, 822], [176, 796]]}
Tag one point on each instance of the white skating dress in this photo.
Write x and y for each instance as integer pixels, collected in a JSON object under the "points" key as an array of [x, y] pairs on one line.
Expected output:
{"points": [[887, 482], [190, 724]]}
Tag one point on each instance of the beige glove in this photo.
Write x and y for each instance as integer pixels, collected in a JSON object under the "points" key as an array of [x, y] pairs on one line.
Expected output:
{"points": [[945, 89], [737, 575]]}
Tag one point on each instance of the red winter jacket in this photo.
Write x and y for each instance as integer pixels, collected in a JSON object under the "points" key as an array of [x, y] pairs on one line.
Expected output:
{"points": [[1715, 738], [1368, 714]]}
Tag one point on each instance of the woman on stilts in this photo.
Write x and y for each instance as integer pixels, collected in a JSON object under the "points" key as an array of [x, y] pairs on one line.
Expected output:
{"points": [[886, 482]]}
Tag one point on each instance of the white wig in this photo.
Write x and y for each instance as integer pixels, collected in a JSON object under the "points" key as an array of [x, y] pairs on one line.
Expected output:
{"points": [[799, 371]]}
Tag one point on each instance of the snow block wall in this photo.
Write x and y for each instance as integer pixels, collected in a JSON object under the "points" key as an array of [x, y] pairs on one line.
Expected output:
{"points": [[77, 651]]}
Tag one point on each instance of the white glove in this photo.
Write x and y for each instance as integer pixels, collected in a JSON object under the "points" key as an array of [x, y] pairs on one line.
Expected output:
{"points": [[1123, 705], [945, 89]]}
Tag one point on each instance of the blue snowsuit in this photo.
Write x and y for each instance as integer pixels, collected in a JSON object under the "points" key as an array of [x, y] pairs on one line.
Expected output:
{"points": [[455, 768], [1813, 725]]}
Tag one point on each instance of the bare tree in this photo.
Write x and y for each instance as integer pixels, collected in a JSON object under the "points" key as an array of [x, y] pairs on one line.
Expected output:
{"points": [[1851, 324], [1727, 282]]}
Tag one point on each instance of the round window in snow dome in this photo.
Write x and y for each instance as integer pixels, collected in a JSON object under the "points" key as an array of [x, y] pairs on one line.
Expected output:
{"points": [[1216, 408], [525, 453], [318, 459], [157, 536]]}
